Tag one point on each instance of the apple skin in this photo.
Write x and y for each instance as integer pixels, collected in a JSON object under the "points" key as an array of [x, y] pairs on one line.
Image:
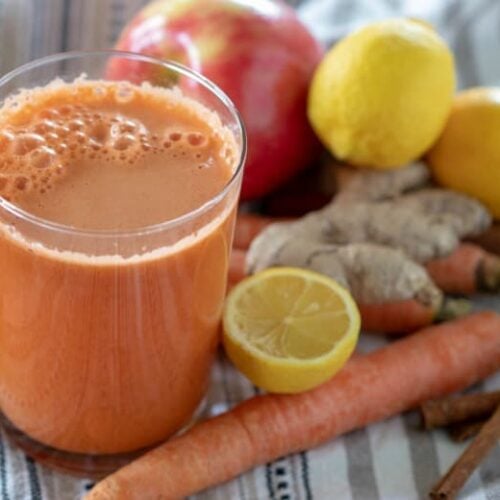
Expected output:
{"points": [[260, 54]]}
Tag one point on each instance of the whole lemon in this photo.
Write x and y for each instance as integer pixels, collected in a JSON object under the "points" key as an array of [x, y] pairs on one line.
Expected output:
{"points": [[466, 157], [381, 96]]}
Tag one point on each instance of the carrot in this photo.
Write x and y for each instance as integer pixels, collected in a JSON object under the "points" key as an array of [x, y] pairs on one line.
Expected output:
{"points": [[467, 270], [408, 315], [248, 226], [434, 362], [395, 317], [236, 266]]}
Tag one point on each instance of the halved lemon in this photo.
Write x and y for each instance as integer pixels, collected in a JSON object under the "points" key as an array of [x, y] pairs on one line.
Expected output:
{"points": [[289, 329]]}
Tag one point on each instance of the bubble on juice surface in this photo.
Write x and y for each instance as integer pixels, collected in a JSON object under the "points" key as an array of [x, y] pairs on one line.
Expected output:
{"points": [[49, 113], [62, 131], [99, 132], [45, 126], [60, 170], [51, 137], [26, 142], [124, 93], [62, 148], [80, 137], [53, 142], [21, 183], [128, 127], [66, 110], [76, 124], [124, 141], [5, 141], [175, 136], [43, 157], [196, 139]]}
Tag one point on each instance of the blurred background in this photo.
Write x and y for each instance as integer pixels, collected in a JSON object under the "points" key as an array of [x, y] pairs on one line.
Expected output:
{"points": [[34, 28]]}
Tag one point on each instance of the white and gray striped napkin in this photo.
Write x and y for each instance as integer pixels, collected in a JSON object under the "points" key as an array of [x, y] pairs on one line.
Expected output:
{"points": [[391, 460]]}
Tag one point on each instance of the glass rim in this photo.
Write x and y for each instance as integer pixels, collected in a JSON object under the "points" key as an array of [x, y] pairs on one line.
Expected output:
{"points": [[151, 228]]}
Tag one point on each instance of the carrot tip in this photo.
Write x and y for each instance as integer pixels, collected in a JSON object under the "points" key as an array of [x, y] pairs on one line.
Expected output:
{"points": [[453, 308]]}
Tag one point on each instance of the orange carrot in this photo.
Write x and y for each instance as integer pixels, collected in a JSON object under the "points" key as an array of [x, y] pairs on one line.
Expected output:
{"points": [[408, 315], [248, 226], [395, 317], [434, 362], [467, 270], [236, 266]]}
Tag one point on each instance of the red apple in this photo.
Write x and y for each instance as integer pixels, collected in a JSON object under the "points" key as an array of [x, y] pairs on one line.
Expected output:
{"points": [[260, 54]]}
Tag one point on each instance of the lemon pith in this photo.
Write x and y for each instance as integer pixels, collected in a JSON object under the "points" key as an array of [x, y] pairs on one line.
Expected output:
{"points": [[289, 329]]}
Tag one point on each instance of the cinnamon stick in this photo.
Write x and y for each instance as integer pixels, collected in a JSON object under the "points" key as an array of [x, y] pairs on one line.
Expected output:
{"points": [[465, 430], [443, 412], [455, 478]]}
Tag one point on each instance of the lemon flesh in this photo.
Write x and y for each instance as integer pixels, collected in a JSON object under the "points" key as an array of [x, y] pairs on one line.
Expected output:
{"points": [[289, 329], [381, 96]]}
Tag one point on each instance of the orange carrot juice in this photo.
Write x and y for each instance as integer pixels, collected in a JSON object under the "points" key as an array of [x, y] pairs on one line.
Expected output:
{"points": [[116, 226]]}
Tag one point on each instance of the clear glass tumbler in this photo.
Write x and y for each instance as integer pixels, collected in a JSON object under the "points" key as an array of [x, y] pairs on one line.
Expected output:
{"points": [[107, 337]]}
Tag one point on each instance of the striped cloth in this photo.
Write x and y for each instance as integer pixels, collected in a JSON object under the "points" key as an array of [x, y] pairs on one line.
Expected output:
{"points": [[391, 460]]}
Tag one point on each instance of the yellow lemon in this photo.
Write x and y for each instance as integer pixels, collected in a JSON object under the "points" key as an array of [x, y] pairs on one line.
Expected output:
{"points": [[467, 155], [289, 329], [381, 96]]}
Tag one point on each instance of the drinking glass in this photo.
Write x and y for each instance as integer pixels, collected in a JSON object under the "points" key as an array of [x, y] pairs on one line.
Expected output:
{"points": [[108, 336]]}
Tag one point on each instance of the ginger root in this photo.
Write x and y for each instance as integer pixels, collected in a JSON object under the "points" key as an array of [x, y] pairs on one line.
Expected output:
{"points": [[369, 185], [372, 238]]}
